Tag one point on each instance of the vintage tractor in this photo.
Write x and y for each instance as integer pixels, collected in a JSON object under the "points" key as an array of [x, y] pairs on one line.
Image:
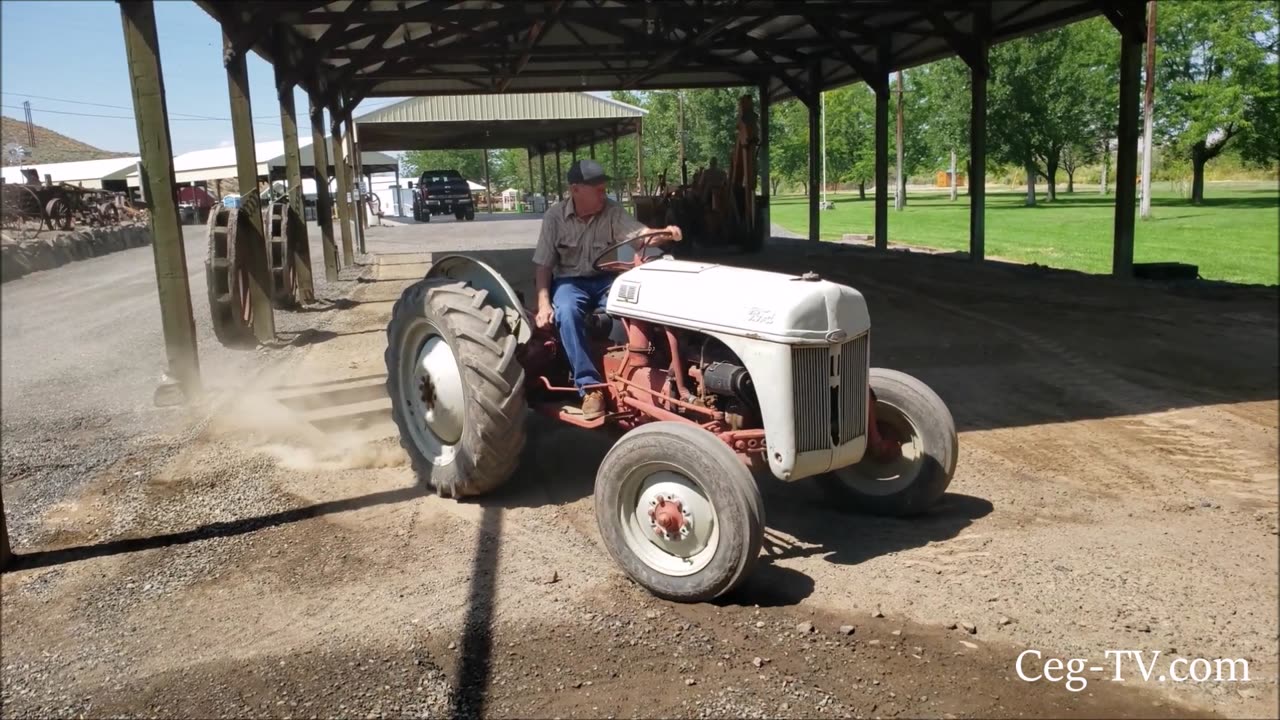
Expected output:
{"points": [[712, 372]]}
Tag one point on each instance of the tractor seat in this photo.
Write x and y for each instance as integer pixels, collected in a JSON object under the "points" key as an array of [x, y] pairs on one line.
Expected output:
{"points": [[599, 325]]}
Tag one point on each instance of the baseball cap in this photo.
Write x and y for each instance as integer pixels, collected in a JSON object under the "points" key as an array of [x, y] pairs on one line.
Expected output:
{"points": [[587, 172]]}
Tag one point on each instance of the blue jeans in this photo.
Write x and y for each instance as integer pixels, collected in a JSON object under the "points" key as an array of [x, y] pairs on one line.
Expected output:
{"points": [[574, 298]]}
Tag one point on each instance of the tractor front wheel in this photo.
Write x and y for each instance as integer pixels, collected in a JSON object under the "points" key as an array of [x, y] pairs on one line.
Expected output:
{"points": [[679, 512], [457, 392], [911, 480]]}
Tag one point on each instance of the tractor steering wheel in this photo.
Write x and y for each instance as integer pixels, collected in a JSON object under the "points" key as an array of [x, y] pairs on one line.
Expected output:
{"points": [[621, 266]]}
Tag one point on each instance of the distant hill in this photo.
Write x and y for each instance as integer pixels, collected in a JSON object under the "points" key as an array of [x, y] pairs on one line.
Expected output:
{"points": [[50, 147]]}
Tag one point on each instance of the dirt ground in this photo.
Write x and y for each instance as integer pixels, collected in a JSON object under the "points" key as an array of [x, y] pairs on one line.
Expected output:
{"points": [[1116, 490]]}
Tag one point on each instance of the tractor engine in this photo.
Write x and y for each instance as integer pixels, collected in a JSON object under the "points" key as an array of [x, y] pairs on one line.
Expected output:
{"points": [[776, 364]]}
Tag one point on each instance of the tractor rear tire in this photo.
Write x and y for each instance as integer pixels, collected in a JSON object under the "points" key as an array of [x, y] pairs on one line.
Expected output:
{"points": [[909, 409], [718, 497], [457, 391]]}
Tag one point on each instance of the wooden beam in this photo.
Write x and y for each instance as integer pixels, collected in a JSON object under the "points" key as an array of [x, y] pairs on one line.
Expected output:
{"points": [[1127, 18], [964, 46], [815, 157], [157, 180], [352, 173], [343, 190], [1126, 155], [766, 189], [866, 70], [882, 155], [260, 281], [978, 75], [536, 33], [324, 202], [488, 187], [542, 170], [300, 245]]}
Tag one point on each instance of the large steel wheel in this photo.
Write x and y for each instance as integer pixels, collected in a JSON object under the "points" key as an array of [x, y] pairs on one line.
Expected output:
{"points": [[917, 460], [284, 278], [58, 214], [457, 391], [679, 512], [22, 213], [227, 275]]}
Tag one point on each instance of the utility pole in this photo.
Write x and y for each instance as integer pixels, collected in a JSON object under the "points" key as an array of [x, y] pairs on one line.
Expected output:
{"points": [[1147, 99], [31, 128], [900, 193]]}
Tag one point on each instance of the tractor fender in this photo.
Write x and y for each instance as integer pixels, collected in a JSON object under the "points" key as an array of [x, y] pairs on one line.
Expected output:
{"points": [[481, 276]]}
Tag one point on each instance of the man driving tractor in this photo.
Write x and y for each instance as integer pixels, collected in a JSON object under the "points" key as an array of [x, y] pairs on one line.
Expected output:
{"points": [[569, 288]]}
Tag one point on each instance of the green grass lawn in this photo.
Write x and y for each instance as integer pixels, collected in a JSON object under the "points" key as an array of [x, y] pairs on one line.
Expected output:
{"points": [[1234, 236]]}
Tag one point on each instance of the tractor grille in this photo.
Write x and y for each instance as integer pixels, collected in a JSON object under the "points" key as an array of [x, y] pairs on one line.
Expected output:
{"points": [[830, 394]]}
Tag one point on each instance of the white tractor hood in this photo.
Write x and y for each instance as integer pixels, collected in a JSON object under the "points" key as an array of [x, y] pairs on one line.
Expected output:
{"points": [[750, 303]]}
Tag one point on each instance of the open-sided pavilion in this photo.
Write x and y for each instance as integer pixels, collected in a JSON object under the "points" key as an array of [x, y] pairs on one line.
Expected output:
{"points": [[540, 123], [341, 52]]}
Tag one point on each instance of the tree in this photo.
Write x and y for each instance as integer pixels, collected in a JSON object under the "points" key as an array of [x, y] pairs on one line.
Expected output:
{"points": [[1046, 93], [943, 112], [789, 141], [851, 115], [468, 162], [1216, 68]]}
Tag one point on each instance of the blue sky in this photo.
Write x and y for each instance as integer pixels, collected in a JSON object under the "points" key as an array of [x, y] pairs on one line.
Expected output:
{"points": [[74, 52]]}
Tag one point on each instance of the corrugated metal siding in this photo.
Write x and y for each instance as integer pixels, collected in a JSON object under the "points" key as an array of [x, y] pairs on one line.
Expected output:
{"points": [[513, 106]]}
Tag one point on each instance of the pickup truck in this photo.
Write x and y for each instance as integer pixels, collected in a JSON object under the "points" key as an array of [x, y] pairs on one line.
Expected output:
{"points": [[443, 192]]}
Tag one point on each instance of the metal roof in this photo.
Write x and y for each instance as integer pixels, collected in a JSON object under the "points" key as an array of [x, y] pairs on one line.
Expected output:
{"points": [[532, 120], [89, 173], [220, 162], [346, 51]]}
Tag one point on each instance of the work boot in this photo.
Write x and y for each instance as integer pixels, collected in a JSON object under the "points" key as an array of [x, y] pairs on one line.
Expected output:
{"points": [[593, 405]]}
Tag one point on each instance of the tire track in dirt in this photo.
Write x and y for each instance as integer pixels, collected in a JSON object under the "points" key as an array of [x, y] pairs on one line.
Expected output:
{"points": [[1179, 434]]}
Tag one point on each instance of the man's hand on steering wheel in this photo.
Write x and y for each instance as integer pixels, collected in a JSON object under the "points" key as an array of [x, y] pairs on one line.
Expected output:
{"points": [[670, 233], [650, 238]]}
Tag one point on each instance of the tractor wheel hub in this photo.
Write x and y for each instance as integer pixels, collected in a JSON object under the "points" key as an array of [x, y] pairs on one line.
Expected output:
{"points": [[669, 517]]}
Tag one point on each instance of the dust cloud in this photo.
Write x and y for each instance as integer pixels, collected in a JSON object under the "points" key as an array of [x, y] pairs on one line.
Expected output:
{"points": [[287, 435]]}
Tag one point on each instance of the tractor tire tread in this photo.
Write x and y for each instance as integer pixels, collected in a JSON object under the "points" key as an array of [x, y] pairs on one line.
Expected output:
{"points": [[494, 433]]}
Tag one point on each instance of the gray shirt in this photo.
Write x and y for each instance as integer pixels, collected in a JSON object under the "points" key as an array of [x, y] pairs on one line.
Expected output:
{"points": [[569, 243]]}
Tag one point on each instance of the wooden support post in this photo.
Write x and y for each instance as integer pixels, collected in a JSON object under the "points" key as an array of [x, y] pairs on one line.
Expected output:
{"points": [[559, 177], [343, 190], [157, 185], [324, 201], [542, 169], [358, 218], [815, 159], [978, 152], [593, 147], [617, 179], [260, 280], [766, 189], [301, 246], [529, 158], [488, 189], [1126, 155], [900, 178], [395, 205], [881, 87]]}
